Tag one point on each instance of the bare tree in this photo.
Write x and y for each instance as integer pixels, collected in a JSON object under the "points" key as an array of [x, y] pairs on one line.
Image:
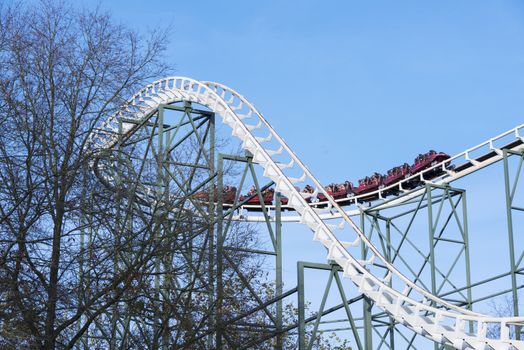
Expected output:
{"points": [[62, 71], [75, 251], [502, 307], [79, 251]]}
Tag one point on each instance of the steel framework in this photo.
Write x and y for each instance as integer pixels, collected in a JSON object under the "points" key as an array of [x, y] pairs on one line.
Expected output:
{"points": [[408, 256]]}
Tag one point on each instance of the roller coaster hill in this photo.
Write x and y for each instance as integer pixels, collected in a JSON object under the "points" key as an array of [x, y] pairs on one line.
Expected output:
{"points": [[404, 294]]}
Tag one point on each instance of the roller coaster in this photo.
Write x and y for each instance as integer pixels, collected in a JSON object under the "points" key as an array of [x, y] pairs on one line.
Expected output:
{"points": [[295, 195], [342, 193]]}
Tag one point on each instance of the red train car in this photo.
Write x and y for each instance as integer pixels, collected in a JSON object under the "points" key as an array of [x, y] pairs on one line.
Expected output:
{"points": [[307, 193], [337, 191], [396, 174], [228, 195], [424, 161], [368, 184], [267, 195]]}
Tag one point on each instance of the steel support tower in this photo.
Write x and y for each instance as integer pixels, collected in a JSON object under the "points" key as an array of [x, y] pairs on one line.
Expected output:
{"points": [[161, 161]]}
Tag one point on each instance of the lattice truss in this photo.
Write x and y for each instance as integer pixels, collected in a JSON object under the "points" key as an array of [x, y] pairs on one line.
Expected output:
{"points": [[367, 245]]}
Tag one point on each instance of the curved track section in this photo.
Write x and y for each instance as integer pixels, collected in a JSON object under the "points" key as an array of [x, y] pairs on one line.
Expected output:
{"points": [[462, 164], [406, 302]]}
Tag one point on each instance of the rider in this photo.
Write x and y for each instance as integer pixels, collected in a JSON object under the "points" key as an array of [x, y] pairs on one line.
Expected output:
{"points": [[308, 189]]}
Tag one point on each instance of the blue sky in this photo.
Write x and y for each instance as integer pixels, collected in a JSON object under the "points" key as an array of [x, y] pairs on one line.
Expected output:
{"points": [[357, 87], [371, 83]]}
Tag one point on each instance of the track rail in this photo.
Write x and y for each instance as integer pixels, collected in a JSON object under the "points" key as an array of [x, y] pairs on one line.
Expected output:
{"points": [[463, 164], [406, 302]]}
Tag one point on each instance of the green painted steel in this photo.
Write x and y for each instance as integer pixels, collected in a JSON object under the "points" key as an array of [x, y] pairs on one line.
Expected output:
{"points": [[509, 190], [374, 329]]}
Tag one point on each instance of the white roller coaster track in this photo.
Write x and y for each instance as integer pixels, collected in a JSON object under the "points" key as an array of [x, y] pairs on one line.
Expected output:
{"points": [[464, 164], [431, 316]]}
